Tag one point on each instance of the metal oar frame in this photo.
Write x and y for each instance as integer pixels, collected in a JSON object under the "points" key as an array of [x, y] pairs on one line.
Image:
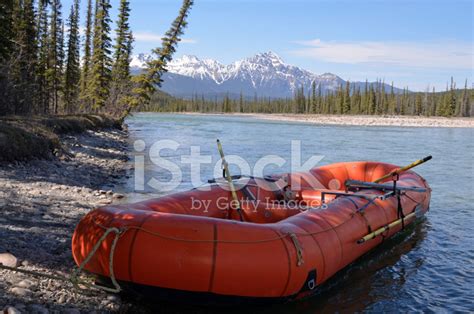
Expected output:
{"points": [[356, 186]]}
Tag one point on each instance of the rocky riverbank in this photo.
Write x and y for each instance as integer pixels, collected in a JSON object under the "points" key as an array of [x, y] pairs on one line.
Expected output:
{"points": [[359, 120], [41, 202], [402, 121]]}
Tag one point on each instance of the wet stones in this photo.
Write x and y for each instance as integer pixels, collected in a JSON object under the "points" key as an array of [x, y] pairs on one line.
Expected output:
{"points": [[8, 259]]}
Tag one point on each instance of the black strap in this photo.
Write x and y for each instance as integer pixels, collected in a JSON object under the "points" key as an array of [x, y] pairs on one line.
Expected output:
{"points": [[400, 210], [397, 192]]}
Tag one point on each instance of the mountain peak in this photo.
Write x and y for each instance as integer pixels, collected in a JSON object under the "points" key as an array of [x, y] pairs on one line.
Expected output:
{"points": [[268, 57], [189, 59]]}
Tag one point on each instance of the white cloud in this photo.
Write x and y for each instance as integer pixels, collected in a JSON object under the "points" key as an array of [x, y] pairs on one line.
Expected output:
{"points": [[152, 37], [429, 54]]}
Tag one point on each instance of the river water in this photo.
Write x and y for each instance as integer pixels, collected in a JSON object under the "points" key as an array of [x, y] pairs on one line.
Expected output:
{"points": [[428, 268]]}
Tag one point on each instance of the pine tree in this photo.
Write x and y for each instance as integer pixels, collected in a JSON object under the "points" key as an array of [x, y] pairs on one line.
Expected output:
{"points": [[418, 104], [346, 106], [425, 105], [6, 49], [383, 108], [6, 31], [55, 53], [314, 100], [121, 84], [86, 61], [339, 100], [100, 75], [365, 99], [356, 103], [73, 72], [433, 104], [441, 106], [392, 106], [450, 106], [372, 105], [24, 56], [145, 84], [465, 102], [320, 99], [241, 102], [43, 51]]}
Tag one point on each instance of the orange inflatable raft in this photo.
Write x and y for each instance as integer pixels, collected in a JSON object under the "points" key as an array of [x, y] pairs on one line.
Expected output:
{"points": [[287, 235]]}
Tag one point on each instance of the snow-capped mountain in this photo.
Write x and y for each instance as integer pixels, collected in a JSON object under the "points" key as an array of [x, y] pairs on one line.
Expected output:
{"points": [[264, 74]]}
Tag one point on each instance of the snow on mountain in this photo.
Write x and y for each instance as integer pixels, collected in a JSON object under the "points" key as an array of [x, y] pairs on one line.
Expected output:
{"points": [[139, 61], [264, 74]]}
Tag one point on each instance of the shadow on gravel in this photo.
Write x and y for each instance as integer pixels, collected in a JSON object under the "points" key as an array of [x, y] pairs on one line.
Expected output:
{"points": [[90, 161]]}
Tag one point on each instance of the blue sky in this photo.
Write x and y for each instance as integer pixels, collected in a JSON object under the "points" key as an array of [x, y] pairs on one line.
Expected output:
{"points": [[412, 43]]}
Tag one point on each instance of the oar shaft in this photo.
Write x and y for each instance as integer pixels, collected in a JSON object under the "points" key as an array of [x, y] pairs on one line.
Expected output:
{"points": [[229, 179], [402, 169], [381, 230]]}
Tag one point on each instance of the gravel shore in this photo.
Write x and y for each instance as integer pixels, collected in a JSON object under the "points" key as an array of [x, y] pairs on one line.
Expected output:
{"points": [[402, 121], [357, 120], [41, 202]]}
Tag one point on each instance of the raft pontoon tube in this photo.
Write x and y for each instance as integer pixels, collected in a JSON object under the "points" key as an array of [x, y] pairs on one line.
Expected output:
{"points": [[194, 244]]}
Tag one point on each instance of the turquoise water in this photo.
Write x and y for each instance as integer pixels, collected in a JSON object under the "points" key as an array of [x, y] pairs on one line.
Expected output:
{"points": [[430, 268]]}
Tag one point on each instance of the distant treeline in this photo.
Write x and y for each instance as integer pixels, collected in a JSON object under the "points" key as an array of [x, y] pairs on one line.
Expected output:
{"points": [[42, 70], [371, 100]]}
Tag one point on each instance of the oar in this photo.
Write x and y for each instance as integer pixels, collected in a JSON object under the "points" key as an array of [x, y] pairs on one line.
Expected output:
{"points": [[229, 179], [381, 230], [402, 169]]}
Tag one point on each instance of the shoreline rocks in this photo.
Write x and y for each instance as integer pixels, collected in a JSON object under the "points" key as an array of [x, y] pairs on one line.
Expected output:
{"points": [[357, 120], [8, 259], [41, 201]]}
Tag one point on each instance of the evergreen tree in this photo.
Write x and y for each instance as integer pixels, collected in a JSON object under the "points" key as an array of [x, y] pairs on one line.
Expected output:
{"points": [[356, 103], [43, 53], [433, 103], [383, 107], [6, 31], [365, 99], [86, 61], [441, 106], [6, 49], [372, 107], [73, 71], [100, 75], [55, 55], [450, 106], [418, 104], [392, 106], [314, 101], [465, 102], [226, 104], [145, 84], [320, 99], [241, 102], [346, 107], [340, 100], [121, 84], [24, 56]]}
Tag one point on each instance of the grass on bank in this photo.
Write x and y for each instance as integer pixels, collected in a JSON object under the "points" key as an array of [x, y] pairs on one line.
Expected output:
{"points": [[24, 138]]}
